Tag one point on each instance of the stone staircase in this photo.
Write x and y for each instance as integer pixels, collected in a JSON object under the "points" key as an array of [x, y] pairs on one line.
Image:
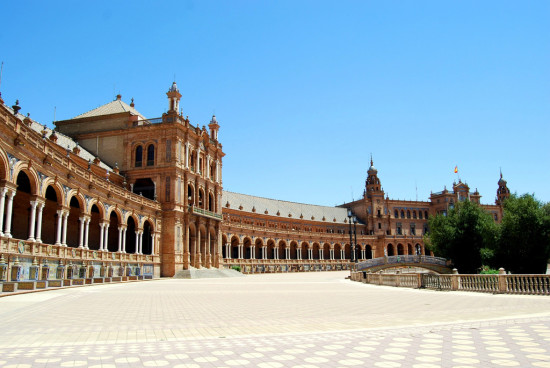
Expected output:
{"points": [[206, 273]]}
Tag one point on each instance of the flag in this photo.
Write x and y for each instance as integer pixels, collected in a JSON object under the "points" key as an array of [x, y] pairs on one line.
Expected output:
{"points": [[456, 169]]}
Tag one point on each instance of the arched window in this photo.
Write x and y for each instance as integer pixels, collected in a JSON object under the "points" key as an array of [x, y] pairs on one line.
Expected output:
{"points": [[139, 156], [426, 215], [150, 155], [402, 214], [190, 194], [210, 202], [414, 214], [420, 215], [396, 214], [408, 214]]}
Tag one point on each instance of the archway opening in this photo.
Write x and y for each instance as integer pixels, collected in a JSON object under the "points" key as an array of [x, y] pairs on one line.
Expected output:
{"points": [[390, 251], [112, 244], [131, 235], [94, 230], [145, 187], [73, 223], [49, 216], [147, 238], [21, 208]]}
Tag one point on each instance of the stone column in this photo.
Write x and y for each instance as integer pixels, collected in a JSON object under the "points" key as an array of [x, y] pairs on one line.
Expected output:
{"points": [[332, 254], [120, 231], [59, 227], [241, 251], [32, 220], [299, 252], [81, 232], [106, 234], [141, 242], [86, 232], [38, 237], [101, 235], [7, 232], [342, 254], [287, 251], [64, 237], [321, 251], [153, 238], [363, 254], [124, 240], [3, 192], [137, 242]]}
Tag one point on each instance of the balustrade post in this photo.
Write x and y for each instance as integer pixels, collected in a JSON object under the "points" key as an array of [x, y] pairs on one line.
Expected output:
{"points": [[454, 280], [502, 281]]}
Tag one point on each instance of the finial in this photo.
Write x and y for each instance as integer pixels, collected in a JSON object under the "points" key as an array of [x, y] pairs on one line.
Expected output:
{"points": [[16, 107], [371, 159], [132, 103], [501, 172]]}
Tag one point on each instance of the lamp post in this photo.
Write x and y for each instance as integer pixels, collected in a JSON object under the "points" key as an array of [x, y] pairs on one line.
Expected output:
{"points": [[355, 237], [350, 214]]}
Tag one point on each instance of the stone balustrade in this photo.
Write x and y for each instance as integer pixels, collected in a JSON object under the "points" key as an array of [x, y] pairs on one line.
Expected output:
{"points": [[496, 284]]}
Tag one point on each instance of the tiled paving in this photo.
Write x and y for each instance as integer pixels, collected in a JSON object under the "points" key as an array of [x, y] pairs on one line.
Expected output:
{"points": [[280, 320]]}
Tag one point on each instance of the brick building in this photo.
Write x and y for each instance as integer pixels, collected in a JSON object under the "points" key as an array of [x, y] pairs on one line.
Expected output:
{"points": [[111, 193]]}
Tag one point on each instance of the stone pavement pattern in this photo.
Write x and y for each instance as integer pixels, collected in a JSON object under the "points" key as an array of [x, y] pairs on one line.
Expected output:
{"points": [[277, 320]]}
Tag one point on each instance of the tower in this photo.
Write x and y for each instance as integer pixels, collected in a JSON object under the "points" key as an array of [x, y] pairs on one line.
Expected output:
{"points": [[502, 192], [174, 97], [214, 127], [372, 184]]}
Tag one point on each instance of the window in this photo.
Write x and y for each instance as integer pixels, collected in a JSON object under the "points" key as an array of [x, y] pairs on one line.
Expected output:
{"points": [[150, 155], [420, 215], [167, 189], [402, 214], [414, 214], [379, 225], [413, 229], [139, 156], [168, 150], [408, 214], [426, 215], [396, 214], [398, 227]]}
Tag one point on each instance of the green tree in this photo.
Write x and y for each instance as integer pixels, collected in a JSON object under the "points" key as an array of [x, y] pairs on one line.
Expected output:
{"points": [[524, 241], [466, 236]]}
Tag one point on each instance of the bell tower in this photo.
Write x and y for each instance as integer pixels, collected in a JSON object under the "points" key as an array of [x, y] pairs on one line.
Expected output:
{"points": [[502, 192], [214, 127], [174, 97], [372, 184]]}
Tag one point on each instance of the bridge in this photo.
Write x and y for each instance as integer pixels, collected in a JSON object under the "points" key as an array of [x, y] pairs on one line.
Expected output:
{"points": [[405, 262]]}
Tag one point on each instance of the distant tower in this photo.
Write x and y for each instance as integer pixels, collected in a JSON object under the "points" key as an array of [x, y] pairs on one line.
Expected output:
{"points": [[174, 96], [214, 127], [502, 192], [373, 183]]}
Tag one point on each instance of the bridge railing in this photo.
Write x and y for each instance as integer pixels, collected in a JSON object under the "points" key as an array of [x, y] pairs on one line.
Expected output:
{"points": [[496, 284], [405, 259]]}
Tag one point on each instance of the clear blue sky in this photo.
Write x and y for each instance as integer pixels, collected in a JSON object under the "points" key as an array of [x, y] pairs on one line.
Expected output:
{"points": [[305, 91]]}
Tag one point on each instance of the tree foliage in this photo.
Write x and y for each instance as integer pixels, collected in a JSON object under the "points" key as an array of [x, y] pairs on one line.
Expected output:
{"points": [[466, 235], [524, 241]]}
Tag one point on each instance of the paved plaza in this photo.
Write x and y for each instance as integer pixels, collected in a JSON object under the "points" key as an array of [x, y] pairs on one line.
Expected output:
{"points": [[274, 320]]}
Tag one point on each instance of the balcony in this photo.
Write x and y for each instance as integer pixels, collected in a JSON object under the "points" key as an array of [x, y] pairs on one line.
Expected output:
{"points": [[199, 211]]}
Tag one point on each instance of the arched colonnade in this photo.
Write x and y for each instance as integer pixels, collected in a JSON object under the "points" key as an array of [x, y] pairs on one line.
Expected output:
{"points": [[37, 208]]}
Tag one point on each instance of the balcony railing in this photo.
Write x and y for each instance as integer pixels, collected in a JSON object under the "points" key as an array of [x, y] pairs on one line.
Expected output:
{"points": [[206, 213]]}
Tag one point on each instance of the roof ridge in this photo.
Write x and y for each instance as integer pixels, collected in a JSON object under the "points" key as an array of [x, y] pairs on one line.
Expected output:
{"points": [[280, 200]]}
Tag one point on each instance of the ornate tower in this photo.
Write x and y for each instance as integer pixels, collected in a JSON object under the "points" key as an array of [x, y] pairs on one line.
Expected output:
{"points": [[502, 192], [214, 127], [372, 184], [174, 97]]}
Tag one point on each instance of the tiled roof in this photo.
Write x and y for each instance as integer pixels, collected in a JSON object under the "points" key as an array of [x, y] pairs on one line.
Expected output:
{"points": [[284, 208], [62, 140], [113, 107]]}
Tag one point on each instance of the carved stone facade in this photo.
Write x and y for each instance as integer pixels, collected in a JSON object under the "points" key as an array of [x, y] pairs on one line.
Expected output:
{"points": [[111, 192]]}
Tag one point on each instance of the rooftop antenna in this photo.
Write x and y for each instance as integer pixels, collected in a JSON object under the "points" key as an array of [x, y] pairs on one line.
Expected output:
{"points": [[1, 68]]}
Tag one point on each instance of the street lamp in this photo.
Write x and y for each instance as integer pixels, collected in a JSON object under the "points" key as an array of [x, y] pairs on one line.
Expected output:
{"points": [[350, 214], [355, 236]]}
